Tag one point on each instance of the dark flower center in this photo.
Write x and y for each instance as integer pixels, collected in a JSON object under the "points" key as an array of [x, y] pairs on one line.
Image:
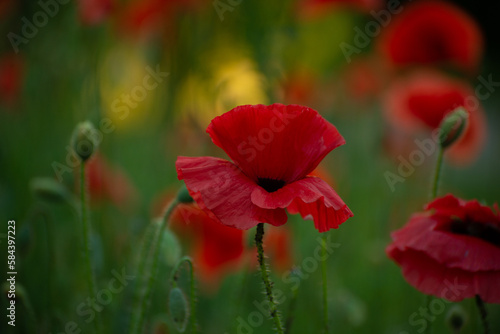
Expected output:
{"points": [[270, 185], [487, 232]]}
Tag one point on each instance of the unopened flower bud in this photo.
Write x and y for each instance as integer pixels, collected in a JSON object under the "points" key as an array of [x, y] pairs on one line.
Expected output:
{"points": [[49, 190], [178, 309], [452, 126], [456, 318], [183, 195], [84, 140]]}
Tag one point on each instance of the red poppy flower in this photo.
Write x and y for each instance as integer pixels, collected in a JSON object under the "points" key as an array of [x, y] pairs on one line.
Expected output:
{"points": [[144, 17], [273, 148], [423, 99], [107, 183], [317, 7], [363, 79], [430, 33], [94, 12], [452, 250], [216, 249], [11, 78]]}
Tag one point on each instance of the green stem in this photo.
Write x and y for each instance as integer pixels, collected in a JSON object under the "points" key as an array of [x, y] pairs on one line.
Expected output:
{"points": [[153, 251], [50, 268], [265, 278], [241, 294], [439, 163], [325, 285], [86, 242], [192, 299], [291, 310], [428, 328], [483, 313]]}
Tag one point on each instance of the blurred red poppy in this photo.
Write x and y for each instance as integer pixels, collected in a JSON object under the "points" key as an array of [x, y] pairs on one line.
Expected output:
{"points": [[93, 12], [318, 7], [421, 101], [363, 79], [107, 183], [144, 17], [6, 7], [11, 79], [274, 148], [215, 248], [278, 248], [433, 33], [451, 250]]}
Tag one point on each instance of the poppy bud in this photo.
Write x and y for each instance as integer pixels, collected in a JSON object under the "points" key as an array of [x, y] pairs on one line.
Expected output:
{"points": [[49, 190], [456, 318], [84, 140], [178, 309], [452, 126], [183, 195]]}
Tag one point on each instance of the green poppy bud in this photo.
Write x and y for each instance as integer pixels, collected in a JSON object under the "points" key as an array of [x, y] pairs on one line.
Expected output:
{"points": [[178, 309], [456, 318], [85, 140], [452, 126], [183, 195], [49, 190]]}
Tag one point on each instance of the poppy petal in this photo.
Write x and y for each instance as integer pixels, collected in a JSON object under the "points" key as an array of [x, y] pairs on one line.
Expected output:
{"points": [[275, 142], [455, 251], [430, 277], [311, 197], [223, 191]]}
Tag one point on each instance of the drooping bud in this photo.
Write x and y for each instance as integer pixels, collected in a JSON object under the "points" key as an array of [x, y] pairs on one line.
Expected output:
{"points": [[84, 140], [49, 190], [452, 126], [456, 318], [178, 308], [183, 195]]}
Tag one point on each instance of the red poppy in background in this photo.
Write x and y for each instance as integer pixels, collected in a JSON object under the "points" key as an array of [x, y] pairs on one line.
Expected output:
{"points": [[318, 7], [11, 79], [107, 183], [363, 79], [144, 17], [93, 12], [421, 101], [273, 148], [451, 250], [215, 248], [278, 248], [432, 33]]}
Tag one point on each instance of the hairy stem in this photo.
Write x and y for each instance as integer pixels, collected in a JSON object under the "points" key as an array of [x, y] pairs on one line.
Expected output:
{"points": [[86, 243], [148, 267], [265, 278], [483, 313]]}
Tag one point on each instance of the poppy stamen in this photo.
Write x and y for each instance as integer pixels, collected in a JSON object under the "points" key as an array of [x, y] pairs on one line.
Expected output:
{"points": [[486, 232], [271, 185]]}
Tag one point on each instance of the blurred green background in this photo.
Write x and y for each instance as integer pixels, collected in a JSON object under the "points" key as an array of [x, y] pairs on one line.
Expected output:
{"points": [[83, 62]]}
